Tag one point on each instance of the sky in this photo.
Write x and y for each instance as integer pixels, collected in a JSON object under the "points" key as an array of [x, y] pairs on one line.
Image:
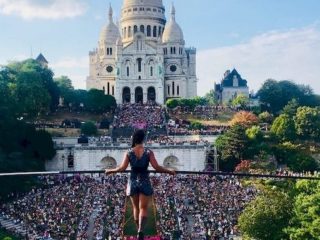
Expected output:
{"points": [[278, 39]]}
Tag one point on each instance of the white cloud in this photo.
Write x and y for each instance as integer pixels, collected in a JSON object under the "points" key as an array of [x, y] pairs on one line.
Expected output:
{"points": [[78, 81], [16, 58], [37, 9], [75, 68], [70, 63], [292, 54]]}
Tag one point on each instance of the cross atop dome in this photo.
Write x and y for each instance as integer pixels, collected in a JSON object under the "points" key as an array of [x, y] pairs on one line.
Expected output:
{"points": [[110, 13], [173, 12]]}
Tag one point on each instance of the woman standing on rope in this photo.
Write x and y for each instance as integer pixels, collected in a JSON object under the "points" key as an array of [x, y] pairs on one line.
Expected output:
{"points": [[139, 187]]}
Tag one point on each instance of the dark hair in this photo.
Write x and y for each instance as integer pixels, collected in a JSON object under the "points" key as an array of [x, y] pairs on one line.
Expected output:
{"points": [[138, 137]]}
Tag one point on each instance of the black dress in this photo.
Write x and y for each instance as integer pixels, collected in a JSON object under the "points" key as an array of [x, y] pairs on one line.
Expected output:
{"points": [[139, 181]]}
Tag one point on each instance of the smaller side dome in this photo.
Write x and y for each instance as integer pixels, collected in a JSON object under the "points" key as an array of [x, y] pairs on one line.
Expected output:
{"points": [[172, 31], [110, 33]]}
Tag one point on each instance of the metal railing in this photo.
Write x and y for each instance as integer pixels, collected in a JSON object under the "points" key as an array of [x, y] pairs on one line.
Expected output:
{"points": [[297, 176]]}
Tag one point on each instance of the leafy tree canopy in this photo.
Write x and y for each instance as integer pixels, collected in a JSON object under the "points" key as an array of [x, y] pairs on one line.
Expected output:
{"points": [[89, 129], [277, 94], [307, 123], [283, 128], [266, 216]]}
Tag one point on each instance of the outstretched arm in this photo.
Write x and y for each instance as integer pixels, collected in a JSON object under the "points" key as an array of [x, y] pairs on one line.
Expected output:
{"points": [[159, 168], [122, 167]]}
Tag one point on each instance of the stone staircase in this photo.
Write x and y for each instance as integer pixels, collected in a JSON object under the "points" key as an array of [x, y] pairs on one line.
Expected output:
{"points": [[13, 227]]}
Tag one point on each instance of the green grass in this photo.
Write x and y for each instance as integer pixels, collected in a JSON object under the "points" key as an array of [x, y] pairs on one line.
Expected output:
{"points": [[5, 235], [130, 227]]}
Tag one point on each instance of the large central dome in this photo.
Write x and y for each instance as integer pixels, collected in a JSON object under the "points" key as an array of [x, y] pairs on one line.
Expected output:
{"points": [[146, 16], [155, 3]]}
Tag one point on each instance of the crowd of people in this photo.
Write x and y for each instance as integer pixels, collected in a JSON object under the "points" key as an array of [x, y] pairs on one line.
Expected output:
{"points": [[185, 130], [167, 140], [200, 206], [86, 207], [209, 112], [78, 207], [149, 115]]}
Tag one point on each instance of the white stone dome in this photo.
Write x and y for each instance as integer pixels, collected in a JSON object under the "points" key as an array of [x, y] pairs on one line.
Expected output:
{"points": [[110, 33], [155, 3], [172, 31]]}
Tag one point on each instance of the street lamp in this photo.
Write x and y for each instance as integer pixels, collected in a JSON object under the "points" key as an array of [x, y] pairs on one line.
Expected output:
{"points": [[63, 158], [216, 159]]}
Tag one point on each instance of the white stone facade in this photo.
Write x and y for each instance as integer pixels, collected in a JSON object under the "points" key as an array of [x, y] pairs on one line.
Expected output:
{"points": [[182, 158], [231, 86], [144, 58], [230, 93]]}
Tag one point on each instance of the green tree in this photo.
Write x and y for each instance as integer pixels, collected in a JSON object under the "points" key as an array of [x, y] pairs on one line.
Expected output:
{"points": [[307, 123], [232, 147], [45, 76], [254, 133], [7, 238], [295, 157], [269, 95], [98, 102], [266, 216], [33, 99], [66, 89], [291, 108], [22, 149], [172, 103], [283, 128], [7, 105], [266, 117], [275, 95], [240, 101], [305, 223], [196, 125], [186, 102], [211, 98], [89, 129], [80, 97]]}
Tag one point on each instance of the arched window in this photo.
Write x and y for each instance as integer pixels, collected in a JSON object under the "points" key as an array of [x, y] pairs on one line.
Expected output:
{"points": [[129, 32], [110, 51], [173, 88], [151, 71], [142, 28], [135, 29], [108, 91], [174, 50], [125, 32], [178, 90], [171, 50], [112, 90], [128, 71], [168, 89], [107, 51], [159, 33], [148, 31], [104, 90], [151, 94], [139, 60], [155, 31]]}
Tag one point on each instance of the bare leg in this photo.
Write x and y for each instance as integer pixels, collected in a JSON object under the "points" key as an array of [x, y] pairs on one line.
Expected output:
{"points": [[143, 211], [135, 208]]}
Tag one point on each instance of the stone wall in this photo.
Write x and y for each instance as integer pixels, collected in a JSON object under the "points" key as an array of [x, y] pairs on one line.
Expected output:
{"points": [[184, 157]]}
